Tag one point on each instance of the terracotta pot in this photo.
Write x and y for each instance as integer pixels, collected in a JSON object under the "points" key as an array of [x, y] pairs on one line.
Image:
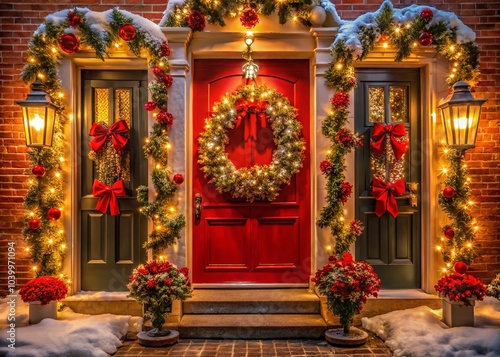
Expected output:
{"points": [[455, 313], [38, 312]]}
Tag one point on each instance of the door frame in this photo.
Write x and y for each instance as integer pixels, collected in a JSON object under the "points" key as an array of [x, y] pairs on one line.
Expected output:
{"points": [[212, 45]]}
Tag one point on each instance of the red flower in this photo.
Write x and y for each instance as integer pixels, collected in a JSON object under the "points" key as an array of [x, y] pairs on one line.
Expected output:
{"points": [[249, 18], [460, 287], [165, 118], [325, 166], [356, 227], [168, 281], [44, 289], [151, 284], [347, 139], [196, 20], [347, 259], [164, 50], [166, 80], [345, 191], [73, 19], [340, 100]]}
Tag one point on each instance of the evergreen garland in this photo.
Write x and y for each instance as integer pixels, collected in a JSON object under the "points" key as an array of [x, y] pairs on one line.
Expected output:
{"points": [[458, 247], [215, 11], [47, 243]]}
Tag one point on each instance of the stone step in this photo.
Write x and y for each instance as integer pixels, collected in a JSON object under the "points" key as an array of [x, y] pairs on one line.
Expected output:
{"points": [[252, 326], [255, 301], [97, 307]]}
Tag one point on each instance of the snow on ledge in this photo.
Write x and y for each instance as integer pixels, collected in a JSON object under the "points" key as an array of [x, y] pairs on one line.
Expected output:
{"points": [[99, 296]]}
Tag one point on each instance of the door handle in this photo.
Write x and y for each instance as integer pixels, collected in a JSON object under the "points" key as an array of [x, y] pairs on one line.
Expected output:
{"points": [[197, 206], [413, 198]]}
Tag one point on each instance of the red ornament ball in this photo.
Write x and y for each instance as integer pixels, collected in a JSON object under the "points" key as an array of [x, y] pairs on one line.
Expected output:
{"points": [[54, 214], [449, 192], [158, 72], [449, 233], [127, 32], [165, 118], [178, 179], [425, 39], [166, 80], [68, 43], [249, 18], [164, 50], [149, 106], [196, 21], [427, 14], [460, 267], [34, 224], [38, 170]]}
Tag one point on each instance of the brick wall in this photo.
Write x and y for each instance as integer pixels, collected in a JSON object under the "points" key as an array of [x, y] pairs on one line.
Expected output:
{"points": [[16, 30]]}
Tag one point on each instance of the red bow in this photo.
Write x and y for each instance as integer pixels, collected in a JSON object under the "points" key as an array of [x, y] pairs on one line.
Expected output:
{"points": [[395, 131], [384, 193], [101, 133], [108, 195], [255, 109]]}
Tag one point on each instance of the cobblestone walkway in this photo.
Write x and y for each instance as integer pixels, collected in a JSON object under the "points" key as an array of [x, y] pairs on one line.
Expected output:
{"points": [[254, 348]]}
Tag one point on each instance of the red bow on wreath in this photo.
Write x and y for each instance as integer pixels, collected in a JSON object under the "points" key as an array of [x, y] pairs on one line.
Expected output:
{"points": [[101, 134], [384, 193], [394, 131], [256, 110], [108, 196]]}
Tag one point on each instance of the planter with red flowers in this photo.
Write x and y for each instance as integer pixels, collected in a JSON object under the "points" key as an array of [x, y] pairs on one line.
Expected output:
{"points": [[459, 292], [155, 285], [42, 294], [347, 284]]}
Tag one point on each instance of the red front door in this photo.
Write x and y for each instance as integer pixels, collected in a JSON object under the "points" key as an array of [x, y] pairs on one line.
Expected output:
{"points": [[235, 241]]}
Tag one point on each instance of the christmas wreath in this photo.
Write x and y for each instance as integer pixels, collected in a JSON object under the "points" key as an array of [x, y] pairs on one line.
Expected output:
{"points": [[259, 182]]}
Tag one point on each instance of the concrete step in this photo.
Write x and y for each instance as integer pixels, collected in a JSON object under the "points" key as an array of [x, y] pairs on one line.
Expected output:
{"points": [[252, 326], [255, 301], [97, 307]]}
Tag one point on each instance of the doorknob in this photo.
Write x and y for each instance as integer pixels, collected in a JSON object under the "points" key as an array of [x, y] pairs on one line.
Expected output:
{"points": [[197, 206], [413, 187]]}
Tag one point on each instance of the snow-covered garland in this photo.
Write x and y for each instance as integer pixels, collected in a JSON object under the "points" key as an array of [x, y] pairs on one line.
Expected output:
{"points": [[406, 29], [68, 31], [257, 182]]}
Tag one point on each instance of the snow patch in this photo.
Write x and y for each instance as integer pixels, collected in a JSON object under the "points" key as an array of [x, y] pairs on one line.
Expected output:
{"points": [[99, 295], [420, 332]]}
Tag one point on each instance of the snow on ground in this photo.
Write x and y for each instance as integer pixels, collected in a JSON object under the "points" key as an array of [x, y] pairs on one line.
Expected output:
{"points": [[100, 296], [420, 332], [72, 334]]}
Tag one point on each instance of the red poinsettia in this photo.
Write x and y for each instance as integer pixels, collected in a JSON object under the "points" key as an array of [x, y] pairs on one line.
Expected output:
{"points": [[347, 139], [164, 50], [345, 191], [196, 21], [340, 100], [347, 284], [73, 19], [460, 287], [44, 289], [325, 167], [249, 18]]}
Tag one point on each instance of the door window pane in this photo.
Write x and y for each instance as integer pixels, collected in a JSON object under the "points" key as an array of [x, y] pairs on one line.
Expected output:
{"points": [[123, 105], [398, 104], [101, 103], [376, 101]]}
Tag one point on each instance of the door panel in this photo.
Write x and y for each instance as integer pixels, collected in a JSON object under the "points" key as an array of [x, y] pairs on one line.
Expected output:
{"points": [[112, 245], [390, 245], [259, 242]]}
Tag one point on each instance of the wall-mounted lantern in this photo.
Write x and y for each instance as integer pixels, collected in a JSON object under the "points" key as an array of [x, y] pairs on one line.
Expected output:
{"points": [[39, 115], [460, 113]]}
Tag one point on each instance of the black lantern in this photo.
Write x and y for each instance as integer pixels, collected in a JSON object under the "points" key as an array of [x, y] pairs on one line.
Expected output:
{"points": [[460, 113], [39, 115]]}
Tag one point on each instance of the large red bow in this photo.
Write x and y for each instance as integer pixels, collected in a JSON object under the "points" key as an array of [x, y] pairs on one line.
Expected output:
{"points": [[101, 133], [108, 196], [395, 131], [256, 109], [384, 193]]}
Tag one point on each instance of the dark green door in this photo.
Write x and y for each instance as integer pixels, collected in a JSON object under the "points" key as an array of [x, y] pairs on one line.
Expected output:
{"points": [[111, 246], [391, 245]]}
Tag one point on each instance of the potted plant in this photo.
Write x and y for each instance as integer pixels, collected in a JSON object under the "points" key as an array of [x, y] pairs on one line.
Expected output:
{"points": [[42, 294], [346, 284], [493, 288], [155, 285], [459, 291]]}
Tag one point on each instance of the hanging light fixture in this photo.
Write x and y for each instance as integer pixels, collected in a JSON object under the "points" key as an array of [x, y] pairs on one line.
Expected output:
{"points": [[250, 69], [39, 115], [460, 113]]}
